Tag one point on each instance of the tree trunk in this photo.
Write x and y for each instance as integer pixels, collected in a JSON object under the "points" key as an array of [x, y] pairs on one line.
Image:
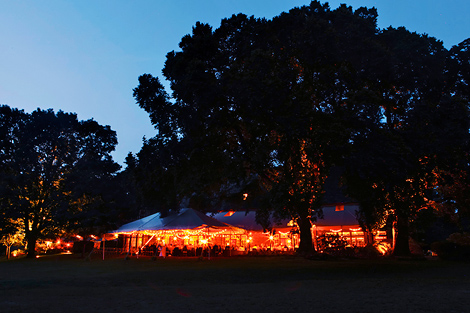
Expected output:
{"points": [[402, 245], [369, 237], [31, 246], [306, 243]]}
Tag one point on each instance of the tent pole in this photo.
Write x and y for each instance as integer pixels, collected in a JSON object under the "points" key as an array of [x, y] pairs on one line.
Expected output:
{"points": [[208, 247], [104, 241], [129, 249]]}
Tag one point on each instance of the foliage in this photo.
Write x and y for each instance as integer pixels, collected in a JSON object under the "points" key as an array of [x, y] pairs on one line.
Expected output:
{"points": [[54, 170], [11, 233], [368, 252], [454, 201], [394, 170], [448, 250], [332, 244], [462, 239]]}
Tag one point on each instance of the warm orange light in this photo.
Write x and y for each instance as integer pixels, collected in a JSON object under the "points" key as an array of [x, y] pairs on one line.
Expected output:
{"points": [[384, 247], [271, 237], [245, 195], [339, 207]]}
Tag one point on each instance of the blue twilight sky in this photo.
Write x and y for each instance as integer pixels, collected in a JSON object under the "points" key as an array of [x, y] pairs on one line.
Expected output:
{"points": [[85, 56]]}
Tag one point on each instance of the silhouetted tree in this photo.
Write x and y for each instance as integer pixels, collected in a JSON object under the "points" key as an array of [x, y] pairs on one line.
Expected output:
{"points": [[53, 169], [259, 97], [423, 129]]}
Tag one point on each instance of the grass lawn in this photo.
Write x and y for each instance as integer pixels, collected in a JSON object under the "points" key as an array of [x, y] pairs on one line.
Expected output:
{"points": [[68, 284]]}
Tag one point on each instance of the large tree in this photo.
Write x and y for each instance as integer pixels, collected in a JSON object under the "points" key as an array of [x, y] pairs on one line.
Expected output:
{"points": [[264, 98], [52, 166], [395, 164], [454, 184]]}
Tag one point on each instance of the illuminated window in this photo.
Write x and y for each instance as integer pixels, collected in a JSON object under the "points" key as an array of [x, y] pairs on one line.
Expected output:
{"points": [[339, 208]]}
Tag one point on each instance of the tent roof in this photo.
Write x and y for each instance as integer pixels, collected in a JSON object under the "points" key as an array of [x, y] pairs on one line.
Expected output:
{"points": [[186, 219], [190, 218], [246, 220], [149, 222], [240, 219], [331, 217]]}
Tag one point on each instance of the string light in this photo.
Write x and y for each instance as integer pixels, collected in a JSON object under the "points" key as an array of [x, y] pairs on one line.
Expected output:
{"points": [[335, 230]]}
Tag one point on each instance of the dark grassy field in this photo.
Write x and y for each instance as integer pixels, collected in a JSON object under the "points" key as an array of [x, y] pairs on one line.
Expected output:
{"points": [[242, 284]]}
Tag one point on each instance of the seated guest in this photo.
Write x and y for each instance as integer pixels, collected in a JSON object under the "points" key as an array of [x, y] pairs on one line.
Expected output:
{"points": [[215, 250]]}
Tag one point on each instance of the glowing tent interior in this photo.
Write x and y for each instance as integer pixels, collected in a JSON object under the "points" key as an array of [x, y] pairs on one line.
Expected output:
{"points": [[189, 228], [237, 231]]}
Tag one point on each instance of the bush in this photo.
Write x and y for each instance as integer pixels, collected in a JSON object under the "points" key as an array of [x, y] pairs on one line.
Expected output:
{"points": [[79, 245], [331, 244], [368, 252], [448, 250], [461, 239], [54, 251]]}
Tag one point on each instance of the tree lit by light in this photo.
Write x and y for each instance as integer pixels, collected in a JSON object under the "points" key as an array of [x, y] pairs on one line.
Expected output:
{"points": [[384, 248]]}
